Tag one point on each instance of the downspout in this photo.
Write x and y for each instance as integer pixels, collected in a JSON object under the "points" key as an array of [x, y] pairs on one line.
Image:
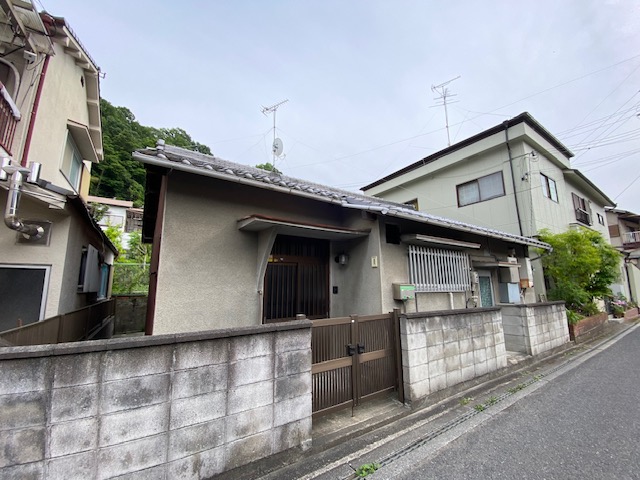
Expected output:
{"points": [[34, 112], [513, 178], [11, 220], [155, 258]]}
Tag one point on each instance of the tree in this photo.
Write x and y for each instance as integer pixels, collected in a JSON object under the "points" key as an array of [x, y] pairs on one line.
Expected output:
{"points": [[581, 267], [269, 167], [119, 175]]}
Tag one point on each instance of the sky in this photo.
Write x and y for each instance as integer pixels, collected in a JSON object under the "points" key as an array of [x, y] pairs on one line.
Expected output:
{"points": [[358, 75]]}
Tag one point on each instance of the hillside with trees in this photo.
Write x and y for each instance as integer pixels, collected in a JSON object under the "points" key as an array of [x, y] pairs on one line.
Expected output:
{"points": [[119, 175]]}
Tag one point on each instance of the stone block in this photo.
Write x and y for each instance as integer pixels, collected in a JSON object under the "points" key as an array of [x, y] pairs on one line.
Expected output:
{"points": [[292, 340], [435, 337], [488, 328], [249, 449], [27, 471], [454, 377], [452, 363], [414, 357], [80, 466], [192, 410], [22, 410], [501, 361], [480, 355], [433, 324], [196, 438], [293, 386], [251, 370], [478, 343], [72, 370], [466, 345], [419, 390], [419, 373], [134, 393], [21, 446], [248, 423], [199, 380], [464, 333], [200, 354], [73, 437], [438, 383], [71, 403], [292, 435], [435, 352], [451, 350], [291, 363], [292, 410], [133, 424], [415, 341], [515, 330], [481, 368], [414, 326], [437, 367], [492, 364], [22, 375], [205, 464], [250, 346], [249, 396], [450, 335], [137, 362], [467, 373], [477, 330], [467, 359], [151, 473], [132, 456]]}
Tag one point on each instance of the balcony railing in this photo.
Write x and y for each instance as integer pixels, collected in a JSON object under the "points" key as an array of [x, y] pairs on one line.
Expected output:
{"points": [[631, 237], [9, 118], [583, 216]]}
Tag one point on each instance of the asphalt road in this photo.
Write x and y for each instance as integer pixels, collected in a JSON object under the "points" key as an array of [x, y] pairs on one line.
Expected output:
{"points": [[583, 424]]}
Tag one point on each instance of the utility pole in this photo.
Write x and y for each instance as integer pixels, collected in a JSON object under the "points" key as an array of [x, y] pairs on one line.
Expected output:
{"points": [[276, 149], [444, 94]]}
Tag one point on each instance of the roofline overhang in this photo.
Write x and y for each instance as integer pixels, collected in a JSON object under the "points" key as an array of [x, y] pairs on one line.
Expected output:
{"points": [[438, 221], [524, 117], [577, 174]]}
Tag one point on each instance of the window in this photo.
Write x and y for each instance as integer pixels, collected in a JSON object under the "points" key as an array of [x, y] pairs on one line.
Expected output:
{"points": [[438, 270], [600, 219], [23, 294], [72, 163], [484, 188], [582, 208], [134, 221], [549, 188]]}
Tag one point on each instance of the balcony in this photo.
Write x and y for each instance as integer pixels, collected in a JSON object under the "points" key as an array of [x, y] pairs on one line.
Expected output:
{"points": [[631, 239], [583, 216], [9, 117]]}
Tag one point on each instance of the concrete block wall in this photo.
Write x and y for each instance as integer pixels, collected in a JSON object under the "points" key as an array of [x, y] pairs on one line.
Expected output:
{"points": [[443, 349], [535, 328], [162, 407]]}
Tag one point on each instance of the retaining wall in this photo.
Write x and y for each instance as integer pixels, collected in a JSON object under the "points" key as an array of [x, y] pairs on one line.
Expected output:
{"points": [[535, 328], [443, 349], [168, 406]]}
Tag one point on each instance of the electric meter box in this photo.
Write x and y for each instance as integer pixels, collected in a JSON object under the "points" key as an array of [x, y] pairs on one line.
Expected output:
{"points": [[404, 291]]}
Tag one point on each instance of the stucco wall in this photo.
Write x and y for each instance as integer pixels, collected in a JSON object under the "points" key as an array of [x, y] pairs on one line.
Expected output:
{"points": [[535, 328], [161, 407], [443, 349]]}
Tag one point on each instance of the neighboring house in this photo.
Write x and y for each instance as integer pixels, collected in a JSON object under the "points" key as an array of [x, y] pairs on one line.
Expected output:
{"points": [[120, 214], [515, 177], [237, 246], [53, 257], [624, 229]]}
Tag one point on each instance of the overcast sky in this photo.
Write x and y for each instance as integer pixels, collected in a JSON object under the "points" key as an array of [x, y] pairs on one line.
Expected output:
{"points": [[358, 77]]}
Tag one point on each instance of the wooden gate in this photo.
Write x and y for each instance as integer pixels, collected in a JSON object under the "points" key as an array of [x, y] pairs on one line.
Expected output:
{"points": [[354, 358]]}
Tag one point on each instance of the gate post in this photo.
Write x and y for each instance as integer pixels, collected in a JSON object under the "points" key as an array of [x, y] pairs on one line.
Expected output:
{"points": [[355, 364], [395, 317]]}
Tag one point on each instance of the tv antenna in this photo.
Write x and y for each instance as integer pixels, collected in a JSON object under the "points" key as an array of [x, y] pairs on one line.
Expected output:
{"points": [[443, 91], [276, 146]]}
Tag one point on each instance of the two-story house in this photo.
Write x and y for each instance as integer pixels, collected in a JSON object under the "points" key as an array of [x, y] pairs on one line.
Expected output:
{"points": [[53, 256], [515, 177], [624, 229]]}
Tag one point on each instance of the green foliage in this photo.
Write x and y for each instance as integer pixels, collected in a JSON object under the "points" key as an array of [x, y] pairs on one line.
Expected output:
{"points": [[130, 278], [138, 252], [114, 234], [119, 175], [98, 210], [581, 266], [367, 469], [269, 167], [479, 407], [465, 401], [573, 317]]}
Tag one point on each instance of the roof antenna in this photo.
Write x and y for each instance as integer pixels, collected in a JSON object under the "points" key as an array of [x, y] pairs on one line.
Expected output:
{"points": [[276, 147], [443, 93]]}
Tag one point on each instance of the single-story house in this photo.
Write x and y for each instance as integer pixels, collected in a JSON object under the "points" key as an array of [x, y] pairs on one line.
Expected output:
{"points": [[235, 246]]}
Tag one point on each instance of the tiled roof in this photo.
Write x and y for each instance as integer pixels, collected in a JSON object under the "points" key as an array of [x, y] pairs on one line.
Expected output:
{"points": [[200, 164]]}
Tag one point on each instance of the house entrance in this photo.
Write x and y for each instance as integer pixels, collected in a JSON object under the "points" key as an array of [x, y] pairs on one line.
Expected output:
{"points": [[354, 359], [297, 279]]}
